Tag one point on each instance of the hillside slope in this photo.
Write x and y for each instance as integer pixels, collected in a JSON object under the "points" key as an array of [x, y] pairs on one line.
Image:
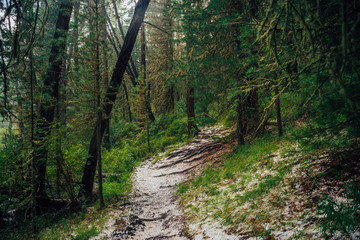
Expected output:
{"points": [[273, 190]]}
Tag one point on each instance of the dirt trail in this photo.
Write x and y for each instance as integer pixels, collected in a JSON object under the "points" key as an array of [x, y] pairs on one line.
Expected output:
{"points": [[154, 212]]}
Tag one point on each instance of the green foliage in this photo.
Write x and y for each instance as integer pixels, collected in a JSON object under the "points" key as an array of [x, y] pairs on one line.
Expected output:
{"points": [[233, 192], [170, 125], [123, 131], [14, 178], [243, 160], [74, 156], [167, 129], [182, 188], [313, 136], [86, 233], [130, 147], [344, 216], [204, 120], [118, 167], [226, 50]]}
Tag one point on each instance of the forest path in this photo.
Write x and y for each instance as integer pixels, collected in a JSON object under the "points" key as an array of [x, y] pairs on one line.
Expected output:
{"points": [[154, 212]]}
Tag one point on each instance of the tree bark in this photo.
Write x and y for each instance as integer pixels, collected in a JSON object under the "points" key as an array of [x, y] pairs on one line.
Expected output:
{"points": [[278, 112], [98, 105], [128, 71], [190, 101], [132, 73], [171, 98], [50, 91], [252, 106], [132, 64], [111, 93], [128, 102], [239, 123], [143, 74], [190, 108], [33, 167], [76, 33], [106, 75], [171, 90]]}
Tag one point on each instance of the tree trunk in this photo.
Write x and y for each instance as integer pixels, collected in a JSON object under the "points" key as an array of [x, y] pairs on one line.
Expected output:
{"points": [[111, 93], [190, 108], [98, 104], [190, 101], [252, 106], [278, 112], [170, 91], [132, 72], [33, 167], [128, 102], [106, 75], [239, 123], [171, 98], [50, 91], [143, 73], [76, 33], [132, 64]]}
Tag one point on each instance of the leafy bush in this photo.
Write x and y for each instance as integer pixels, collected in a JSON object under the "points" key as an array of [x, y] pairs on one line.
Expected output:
{"points": [[116, 189], [122, 131], [204, 120], [74, 157], [118, 167], [344, 217]]}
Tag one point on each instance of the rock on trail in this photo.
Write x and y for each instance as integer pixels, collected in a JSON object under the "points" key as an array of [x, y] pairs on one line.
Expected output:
{"points": [[154, 212]]}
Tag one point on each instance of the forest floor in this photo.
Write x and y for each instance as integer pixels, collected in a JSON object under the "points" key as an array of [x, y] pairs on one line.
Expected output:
{"points": [[273, 189], [209, 189], [154, 211]]}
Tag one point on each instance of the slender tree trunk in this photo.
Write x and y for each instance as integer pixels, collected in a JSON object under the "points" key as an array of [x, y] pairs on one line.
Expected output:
{"points": [[252, 106], [4, 71], [51, 91], [129, 70], [76, 33], [171, 90], [33, 166], [239, 123], [143, 73], [255, 105], [111, 93], [190, 108], [98, 103], [171, 98], [278, 112], [132, 64], [106, 75], [21, 124], [128, 102], [190, 105], [60, 117]]}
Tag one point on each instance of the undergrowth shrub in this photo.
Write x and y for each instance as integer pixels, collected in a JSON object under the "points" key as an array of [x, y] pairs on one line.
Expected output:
{"points": [[118, 167], [122, 131], [203, 120], [74, 157], [131, 145], [344, 216]]}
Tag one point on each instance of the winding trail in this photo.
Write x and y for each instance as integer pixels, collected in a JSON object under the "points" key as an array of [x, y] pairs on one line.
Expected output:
{"points": [[154, 212]]}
